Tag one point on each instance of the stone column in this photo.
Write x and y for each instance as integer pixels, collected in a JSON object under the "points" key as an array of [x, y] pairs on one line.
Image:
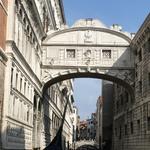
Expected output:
{"points": [[11, 20]]}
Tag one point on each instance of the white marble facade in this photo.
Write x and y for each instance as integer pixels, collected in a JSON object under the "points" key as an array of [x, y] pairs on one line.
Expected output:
{"points": [[27, 24]]}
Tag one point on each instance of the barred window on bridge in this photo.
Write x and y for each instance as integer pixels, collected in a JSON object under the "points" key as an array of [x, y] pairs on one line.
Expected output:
{"points": [[106, 54]]}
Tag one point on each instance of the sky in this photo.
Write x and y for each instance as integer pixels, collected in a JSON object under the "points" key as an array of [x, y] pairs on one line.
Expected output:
{"points": [[130, 14]]}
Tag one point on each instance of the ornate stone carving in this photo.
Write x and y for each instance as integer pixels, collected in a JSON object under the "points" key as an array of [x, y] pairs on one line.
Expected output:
{"points": [[88, 36]]}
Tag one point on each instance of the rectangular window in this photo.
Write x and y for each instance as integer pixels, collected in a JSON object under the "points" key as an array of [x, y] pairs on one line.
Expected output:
{"points": [[21, 85], [121, 98], [12, 76], [131, 127], [16, 79], [125, 130], [126, 96], [25, 88], [116, 132], [106, 54], [148, 45], [70, 53], [120, 132], [149, 79], [148, 123], [117, 106], [140, 86], [138, 126]]}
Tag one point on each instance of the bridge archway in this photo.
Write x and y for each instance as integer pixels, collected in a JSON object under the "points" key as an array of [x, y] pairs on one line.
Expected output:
{"points": [[88, 74], [88, 49]]}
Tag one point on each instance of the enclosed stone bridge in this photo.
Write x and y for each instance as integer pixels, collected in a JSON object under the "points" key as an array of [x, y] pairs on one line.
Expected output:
{"points": [[88, 49], [82, 143]]}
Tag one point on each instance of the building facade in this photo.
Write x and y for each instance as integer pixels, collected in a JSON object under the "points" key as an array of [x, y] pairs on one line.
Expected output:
{"points": [[91, 127], [28, 23], [104, 115], [54, 103], [75, 123], [123, 118], [131, 116], [3, 57]]}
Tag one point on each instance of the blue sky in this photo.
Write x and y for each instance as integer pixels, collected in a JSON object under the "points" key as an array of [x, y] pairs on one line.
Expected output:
{"points": [[86, 92], [130, 14]]}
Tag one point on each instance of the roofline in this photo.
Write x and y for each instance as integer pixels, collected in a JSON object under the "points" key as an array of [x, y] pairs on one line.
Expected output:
{"points": [[120, 34], [141, 29], [62, 11]]}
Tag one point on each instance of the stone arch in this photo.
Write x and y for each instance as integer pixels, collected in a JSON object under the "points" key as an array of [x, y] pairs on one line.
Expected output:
{"points": [[50, 80]]}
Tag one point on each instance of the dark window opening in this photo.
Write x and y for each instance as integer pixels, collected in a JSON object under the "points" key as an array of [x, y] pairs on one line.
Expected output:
{"points": [[125, 130], [148, 123], [70, 53], [106, 54], [131, 127]]}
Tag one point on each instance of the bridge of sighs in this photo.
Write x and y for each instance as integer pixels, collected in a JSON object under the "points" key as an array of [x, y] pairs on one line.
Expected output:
{"points": [[88, 49]]}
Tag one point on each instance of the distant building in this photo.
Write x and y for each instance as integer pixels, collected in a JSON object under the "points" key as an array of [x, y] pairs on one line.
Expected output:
{"points": [[78, 128], [104, 115], [75, 122], [91, 127], [99, 106], [87, 128], [83, 130]]}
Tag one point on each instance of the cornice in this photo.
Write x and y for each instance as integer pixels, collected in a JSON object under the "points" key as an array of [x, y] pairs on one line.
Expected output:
{"points": [[145, 27], [85, 45], [62, 11], [35, 15], [120, 34], [53, 22]]}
